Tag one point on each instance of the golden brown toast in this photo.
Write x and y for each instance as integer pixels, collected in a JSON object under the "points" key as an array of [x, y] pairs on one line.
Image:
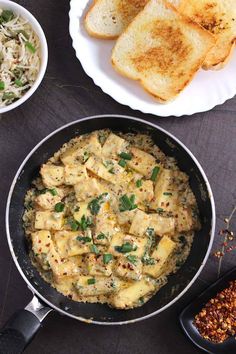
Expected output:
{"points": [[108, 18], [162, 49], [218, 17]]}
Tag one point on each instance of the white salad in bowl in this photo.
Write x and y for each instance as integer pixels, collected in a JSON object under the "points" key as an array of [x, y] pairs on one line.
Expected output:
{"points": [[23, 55]]}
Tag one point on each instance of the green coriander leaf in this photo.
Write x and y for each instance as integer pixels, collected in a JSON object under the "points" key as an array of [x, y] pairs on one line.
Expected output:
{"points": [[91, 281], [59, 207], [127, 203], [122, 163], [125, 248], [139, 183], [107, 257], [101, 236], [125, 156], [155, 172], [53, 191], [83, 239], [94, 249], [95, 204], [132, 259]]}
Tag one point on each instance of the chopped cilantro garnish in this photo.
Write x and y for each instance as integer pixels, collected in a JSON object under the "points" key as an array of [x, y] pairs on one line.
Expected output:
{"points": [[132, 259], [101, 236], [139, 183], [91, 281], [154, 174], [125, 156], [59, 207], [127, 203], [73, 224], [85, 222], [83, 239], [107, 257], [167, 193], [95, 204], [122, 163], [94, 249], [52, 191], [125, 248]]}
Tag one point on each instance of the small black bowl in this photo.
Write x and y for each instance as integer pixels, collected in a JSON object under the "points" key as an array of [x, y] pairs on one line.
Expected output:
{"points": [[188, 314]]}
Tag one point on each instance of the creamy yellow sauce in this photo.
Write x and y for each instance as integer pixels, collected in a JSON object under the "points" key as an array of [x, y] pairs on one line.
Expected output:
{"points": [[109, 218]]}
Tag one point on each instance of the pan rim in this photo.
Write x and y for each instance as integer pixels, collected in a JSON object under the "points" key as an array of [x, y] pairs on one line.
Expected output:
{"points": [[136, 119]]}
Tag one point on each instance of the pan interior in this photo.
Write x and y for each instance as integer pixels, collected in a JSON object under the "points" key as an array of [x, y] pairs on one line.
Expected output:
{"points": [[177, 282]]}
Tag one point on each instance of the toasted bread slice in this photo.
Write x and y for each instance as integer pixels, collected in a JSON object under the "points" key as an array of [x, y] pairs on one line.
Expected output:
{"points": [[218, 17], [162, 49], [108, 18]]}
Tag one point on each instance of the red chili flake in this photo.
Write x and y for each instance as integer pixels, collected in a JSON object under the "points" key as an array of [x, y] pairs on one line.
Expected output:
{"points": [[39, 241], [48, 244], [40, 249], [216, 321]]}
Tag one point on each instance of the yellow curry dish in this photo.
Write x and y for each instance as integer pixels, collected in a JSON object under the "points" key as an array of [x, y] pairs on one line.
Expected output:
{"points": [[109, 218]]}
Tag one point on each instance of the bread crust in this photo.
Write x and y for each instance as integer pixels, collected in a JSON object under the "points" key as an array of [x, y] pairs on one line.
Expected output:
{"points": [[87, 27], [215, 17], [120, 3], [167, 98]]}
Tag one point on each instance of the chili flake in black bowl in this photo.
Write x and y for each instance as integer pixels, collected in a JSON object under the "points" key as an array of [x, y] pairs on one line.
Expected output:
{"points": [[210, 320]]}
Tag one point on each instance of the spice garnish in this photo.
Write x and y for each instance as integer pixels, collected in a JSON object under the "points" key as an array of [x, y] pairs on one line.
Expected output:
{"points": [[228, 237], [91, 281], [216, 321]]}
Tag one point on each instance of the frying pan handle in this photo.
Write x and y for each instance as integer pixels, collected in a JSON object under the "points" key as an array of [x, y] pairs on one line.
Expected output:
{"points": [[22, 326]]}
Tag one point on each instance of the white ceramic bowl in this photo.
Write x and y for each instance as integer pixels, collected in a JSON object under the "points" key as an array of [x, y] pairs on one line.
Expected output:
{"points": [[20, 10]]}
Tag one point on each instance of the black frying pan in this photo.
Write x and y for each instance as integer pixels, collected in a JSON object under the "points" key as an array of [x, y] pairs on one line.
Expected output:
{"points": [[24, 324]]}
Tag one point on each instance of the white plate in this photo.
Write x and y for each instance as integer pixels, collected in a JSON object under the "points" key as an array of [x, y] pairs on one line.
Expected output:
{"points": [[208, 88]]}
